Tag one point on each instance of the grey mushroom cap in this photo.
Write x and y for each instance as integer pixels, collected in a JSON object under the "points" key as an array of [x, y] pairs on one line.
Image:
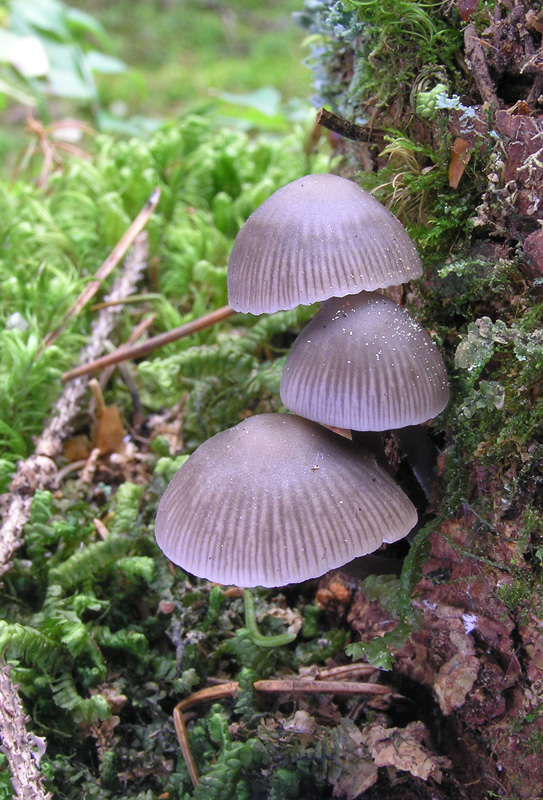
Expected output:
{"points": [[277, 500], [320, 236], [364, 363]]}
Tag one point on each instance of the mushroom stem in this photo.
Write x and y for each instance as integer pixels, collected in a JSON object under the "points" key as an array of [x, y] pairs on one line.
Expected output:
{"points": [[416, 444], [373, 564], [421, 454], [257, 637], [372, 441]]}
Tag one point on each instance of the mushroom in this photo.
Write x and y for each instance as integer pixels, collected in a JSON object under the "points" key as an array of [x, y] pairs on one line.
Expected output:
{"points": [[318, 237], [364, 363], [276, 500]]}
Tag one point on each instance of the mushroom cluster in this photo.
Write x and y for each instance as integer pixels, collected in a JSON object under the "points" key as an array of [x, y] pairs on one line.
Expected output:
{"points": [[278, 498]]}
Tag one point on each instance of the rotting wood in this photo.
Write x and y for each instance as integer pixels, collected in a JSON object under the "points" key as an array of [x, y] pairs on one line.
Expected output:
{"points": [[475, 56]]}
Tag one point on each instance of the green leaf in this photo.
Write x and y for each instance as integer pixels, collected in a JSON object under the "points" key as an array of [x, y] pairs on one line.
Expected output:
{"points": [[379, 651], [218, 729], [94, 560], [137, 567], [8, 39], [11, 440], [375, 653], [258, 109], [80, 22], [16, 94], [66, 82], [45, 15], [266, 100], [126, 508], [133, 126], [107, 65], [7, 468]]}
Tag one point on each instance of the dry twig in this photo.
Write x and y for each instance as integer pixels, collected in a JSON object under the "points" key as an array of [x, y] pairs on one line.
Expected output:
{"points": [[136, 351], [136, 334], [211, 693], [39, 472], [336, 124], [303, 686], [311, 684], [49, 144]]}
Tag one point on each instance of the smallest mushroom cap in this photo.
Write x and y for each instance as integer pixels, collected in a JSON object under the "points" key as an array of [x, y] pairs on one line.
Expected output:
{"points": [[277, 500], [364, 363]]}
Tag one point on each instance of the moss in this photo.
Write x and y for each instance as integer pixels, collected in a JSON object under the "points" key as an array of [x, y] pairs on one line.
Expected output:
{"points": [[366, 54]]}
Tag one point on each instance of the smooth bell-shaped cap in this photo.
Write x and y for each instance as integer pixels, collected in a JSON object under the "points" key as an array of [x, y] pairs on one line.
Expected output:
{"points": [[364, 363], [320, 236], [277, 500]]}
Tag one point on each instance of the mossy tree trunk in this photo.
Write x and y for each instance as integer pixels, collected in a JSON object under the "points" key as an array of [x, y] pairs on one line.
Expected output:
{"points": [[449, 107]]}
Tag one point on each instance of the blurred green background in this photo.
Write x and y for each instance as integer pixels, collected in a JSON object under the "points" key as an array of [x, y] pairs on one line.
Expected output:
{"points": [[179, 51], [127, 66]]}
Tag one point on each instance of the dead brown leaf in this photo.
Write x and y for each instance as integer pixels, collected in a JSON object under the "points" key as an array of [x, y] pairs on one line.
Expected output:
{"points": [[405, 749], [108, 433], [467, 8], [356, 778], [77, 448], [456, 677], [461, 154], [358, 771]]}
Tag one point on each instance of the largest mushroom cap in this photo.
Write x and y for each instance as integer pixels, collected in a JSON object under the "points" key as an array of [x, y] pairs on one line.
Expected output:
{"points": [[318, 237], [364, 363], [277, 500]]}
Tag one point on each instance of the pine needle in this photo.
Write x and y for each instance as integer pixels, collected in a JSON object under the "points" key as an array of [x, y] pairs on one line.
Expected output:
{"points": [[108, 266], [136, 351]]}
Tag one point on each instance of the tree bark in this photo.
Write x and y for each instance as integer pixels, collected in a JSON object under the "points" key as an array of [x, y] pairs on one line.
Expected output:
{"points": [[477, 650]]}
